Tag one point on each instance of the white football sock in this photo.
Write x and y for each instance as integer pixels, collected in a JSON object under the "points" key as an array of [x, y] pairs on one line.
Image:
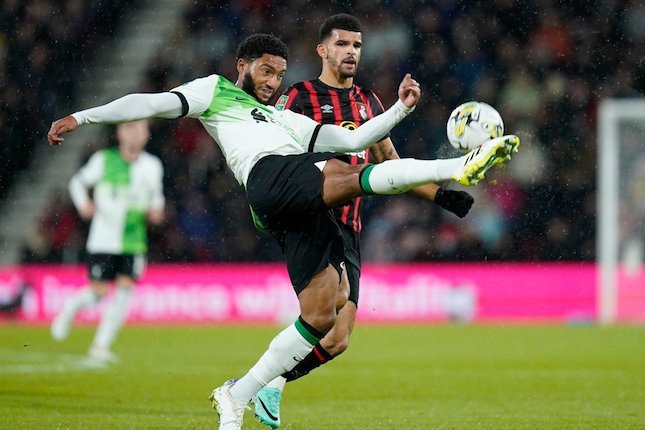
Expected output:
{"points": [[63, 321], [399, 176], [278, 383], [113, 318], [83, 299], [286, 350]]}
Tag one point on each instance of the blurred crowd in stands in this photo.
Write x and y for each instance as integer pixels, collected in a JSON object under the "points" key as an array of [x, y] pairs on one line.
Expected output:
{"points": [[43, 46], [544, 64]]}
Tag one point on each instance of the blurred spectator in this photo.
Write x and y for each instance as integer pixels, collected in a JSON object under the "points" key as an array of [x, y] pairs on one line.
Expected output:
{"points": [[37, 71], [56, 237]]}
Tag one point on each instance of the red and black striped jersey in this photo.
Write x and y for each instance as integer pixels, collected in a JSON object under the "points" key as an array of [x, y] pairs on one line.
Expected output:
{"points": [[347, 107]]}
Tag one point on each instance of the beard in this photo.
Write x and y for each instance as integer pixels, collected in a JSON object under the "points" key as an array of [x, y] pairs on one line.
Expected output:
{"points": [[249, 87], [339, 68]]}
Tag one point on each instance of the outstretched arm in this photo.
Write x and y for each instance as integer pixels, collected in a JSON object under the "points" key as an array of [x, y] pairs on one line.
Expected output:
{"points": [[128, 108], [335, 138]]}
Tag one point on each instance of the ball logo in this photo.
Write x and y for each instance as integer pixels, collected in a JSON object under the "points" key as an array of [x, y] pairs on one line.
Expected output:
{"points": [[494, 130], [465, 115]]}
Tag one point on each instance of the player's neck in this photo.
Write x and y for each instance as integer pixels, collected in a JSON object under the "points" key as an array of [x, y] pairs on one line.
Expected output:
{"points": [[331, 79]]}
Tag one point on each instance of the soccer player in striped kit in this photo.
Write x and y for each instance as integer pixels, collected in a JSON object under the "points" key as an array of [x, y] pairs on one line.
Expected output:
{"points": [[334, 98]]}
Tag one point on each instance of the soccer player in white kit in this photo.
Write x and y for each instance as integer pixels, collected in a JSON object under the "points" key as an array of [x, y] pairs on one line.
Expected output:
{"points": [[292, 177], [128, 193]]}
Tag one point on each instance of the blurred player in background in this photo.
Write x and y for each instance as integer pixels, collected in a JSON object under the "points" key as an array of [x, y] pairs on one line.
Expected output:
{"points": [[127, 185], [334, 98], [293, 173]]}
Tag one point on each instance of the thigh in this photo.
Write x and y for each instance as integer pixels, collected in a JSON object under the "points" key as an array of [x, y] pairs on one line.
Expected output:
{"points": [[342, 182], [101, 267], [352, 254], [130, 266], [285, 191], [312, 248]]}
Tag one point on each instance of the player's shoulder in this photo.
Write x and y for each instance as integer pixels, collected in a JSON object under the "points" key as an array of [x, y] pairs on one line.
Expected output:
{"points": [[303, 85], [292, 95], [98, 157], [366, 90], [105, 152], [304, 88], [203, 81], [150, 158]]}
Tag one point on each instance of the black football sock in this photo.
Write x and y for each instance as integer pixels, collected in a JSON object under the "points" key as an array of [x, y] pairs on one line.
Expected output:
{"points": [[317, 357]]}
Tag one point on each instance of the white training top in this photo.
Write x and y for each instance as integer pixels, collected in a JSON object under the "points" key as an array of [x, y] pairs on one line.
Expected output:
{"points": [[123, 194], [244, 129]]}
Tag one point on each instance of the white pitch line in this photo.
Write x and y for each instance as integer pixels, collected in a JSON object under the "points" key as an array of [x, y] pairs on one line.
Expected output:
{"points": [[41, 362]]}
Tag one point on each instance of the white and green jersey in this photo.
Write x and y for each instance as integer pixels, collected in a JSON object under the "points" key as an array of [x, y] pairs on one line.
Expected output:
{"points": [[244, 129], [123, 193]]}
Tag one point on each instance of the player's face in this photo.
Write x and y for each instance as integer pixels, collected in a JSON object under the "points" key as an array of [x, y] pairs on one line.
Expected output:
{"points": [[342, 52], [132, 137], [262, 77]]}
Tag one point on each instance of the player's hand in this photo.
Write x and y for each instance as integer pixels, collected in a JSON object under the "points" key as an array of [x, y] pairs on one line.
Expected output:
{"points": [[457, 202], [60, 127], [87, 211], [409, 91]]}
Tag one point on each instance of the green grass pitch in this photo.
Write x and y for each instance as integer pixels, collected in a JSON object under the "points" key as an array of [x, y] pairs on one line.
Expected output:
{"points": [[392, 377]]}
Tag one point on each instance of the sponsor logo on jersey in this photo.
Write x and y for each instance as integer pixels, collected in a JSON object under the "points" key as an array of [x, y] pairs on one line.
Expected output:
{"points": [[258, 116], [350, 125], [327, 108], [282, 102]]}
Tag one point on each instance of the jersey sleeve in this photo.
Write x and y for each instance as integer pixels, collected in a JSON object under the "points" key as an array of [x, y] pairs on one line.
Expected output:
{"points": [[377, 108], [85, 178], [375, 103], [157, 200], [196, 95], [305, 127]]}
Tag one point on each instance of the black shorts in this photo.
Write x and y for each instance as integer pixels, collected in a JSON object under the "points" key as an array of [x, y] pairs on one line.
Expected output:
{"points": [[106, 267], [285, 192], [352, 261]]}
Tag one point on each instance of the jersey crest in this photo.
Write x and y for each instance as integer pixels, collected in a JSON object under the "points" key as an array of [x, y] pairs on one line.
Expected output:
{"points": [[362, 111]]}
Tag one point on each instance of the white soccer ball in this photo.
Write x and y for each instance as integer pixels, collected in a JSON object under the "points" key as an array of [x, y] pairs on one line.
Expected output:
{"points": [[472, 123]]}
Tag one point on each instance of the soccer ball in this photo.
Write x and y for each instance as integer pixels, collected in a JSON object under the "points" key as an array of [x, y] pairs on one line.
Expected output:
{"points": [[472, 123]]}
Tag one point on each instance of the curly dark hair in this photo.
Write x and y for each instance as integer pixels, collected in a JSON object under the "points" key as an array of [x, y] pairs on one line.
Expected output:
{"points": [[342, 21], [258, 44]]}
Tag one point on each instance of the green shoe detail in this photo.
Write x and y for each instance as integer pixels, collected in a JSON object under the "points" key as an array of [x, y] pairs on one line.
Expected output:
{"points": [[495, 152]]}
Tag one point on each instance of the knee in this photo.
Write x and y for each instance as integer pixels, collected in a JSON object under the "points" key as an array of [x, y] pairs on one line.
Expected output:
{"points": [[338, 346], [323, 322], [341, 300], [100, 289]]}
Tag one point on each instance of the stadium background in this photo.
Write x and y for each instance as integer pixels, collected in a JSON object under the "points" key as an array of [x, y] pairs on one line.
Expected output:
{"points": [[543, 64]]}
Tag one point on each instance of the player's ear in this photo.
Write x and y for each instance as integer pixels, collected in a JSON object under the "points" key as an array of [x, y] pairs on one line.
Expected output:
{"points": [[321, 49], [241, 65]]}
